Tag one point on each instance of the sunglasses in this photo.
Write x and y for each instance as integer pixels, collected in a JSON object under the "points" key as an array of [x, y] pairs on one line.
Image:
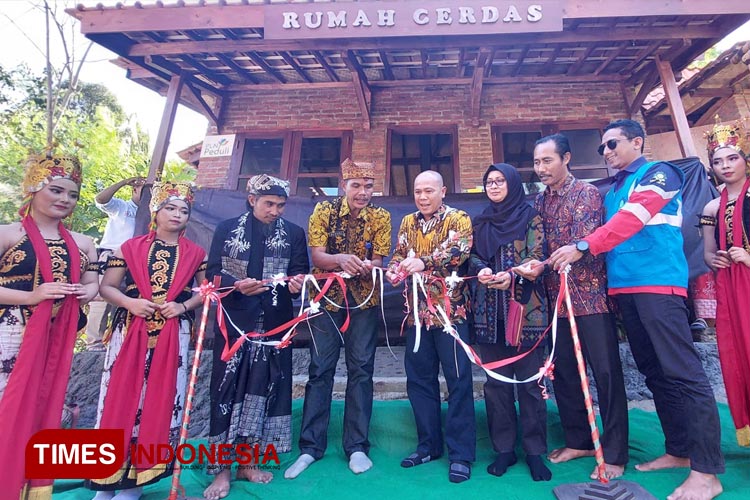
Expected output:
{"points": [[611, 144]]}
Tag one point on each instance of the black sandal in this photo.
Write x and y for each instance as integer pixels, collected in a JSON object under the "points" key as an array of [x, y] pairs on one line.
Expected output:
{"points": [[415, 459], [459, 472]]}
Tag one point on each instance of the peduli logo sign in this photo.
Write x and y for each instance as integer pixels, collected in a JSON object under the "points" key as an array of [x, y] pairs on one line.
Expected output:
{"points": [[99, 453]]}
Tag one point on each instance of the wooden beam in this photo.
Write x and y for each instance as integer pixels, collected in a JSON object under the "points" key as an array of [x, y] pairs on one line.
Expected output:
{"points": [[707, 93], [737, 79], [709, 115], [645, 90], [624, 90], [643, 54], [321, 59], [576, 66], [460, 64], [519, 62], [619, 50], [423, 58], [257, 59], [361, 88], [577, 9], [679, 118], [206, 108], [551, 60], [591, 35], [387, 71], [168, 18], [490, 61], [296, 67], [237, 68], [165, 128], [477, 82]]}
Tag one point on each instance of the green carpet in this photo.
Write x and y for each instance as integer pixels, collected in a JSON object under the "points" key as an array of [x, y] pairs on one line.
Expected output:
{"points": [[393, 437]]}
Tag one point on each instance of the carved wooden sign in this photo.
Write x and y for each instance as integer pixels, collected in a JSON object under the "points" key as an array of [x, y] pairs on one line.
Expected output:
{"points": [[366, 19]]}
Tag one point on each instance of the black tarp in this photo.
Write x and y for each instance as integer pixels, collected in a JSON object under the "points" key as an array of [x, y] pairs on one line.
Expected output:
{"points": [[214, 205]]}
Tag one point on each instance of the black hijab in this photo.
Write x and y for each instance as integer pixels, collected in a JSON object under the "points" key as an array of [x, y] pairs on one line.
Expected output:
{"points": [[504, 222]]}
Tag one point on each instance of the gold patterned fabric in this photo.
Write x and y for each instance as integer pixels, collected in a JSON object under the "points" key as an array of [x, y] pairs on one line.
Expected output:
{"points": [[734, 135], [357, 170], [162, 264], [333, 227], [40, 170], [164, 192], [443, 243]]}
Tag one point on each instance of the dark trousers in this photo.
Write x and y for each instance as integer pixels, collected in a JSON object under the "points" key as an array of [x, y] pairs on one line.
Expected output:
{"points": [[598, 336], [438, 348], [500, 400], [659, 334], [360, 341]]}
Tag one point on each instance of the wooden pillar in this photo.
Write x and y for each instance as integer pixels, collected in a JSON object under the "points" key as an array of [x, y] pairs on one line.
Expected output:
{"points": [[165, 129], [143, 216], [676, 109]]}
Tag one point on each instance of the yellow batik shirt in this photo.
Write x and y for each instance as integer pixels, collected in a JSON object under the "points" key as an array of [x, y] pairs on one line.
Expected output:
{"points": [[332, 226], [443, 243]]}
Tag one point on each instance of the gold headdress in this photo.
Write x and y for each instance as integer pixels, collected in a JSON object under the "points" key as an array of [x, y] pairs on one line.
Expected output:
{"points": [[359, 170], [41, 170], [164, 192], [727, 136], [265, 184]]}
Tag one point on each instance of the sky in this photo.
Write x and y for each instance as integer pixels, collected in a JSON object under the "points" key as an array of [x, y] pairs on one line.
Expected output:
{"points": [[22, 28], [22, 40]]}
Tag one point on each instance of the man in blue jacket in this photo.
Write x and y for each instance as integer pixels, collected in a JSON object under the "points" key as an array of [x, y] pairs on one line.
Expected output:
{"points": [[648, 277]]}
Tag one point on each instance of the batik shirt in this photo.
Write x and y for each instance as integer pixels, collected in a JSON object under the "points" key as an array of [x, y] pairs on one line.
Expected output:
{"points": [[443, 243], [569, 215], [333, 227]]}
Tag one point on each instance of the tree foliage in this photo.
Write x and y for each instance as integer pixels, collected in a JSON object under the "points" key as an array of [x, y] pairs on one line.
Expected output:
{"points": [[94, 128]]}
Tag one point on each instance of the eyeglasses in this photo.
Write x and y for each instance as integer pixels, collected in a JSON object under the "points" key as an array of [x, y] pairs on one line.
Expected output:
{"points": [[611, 144], [495, 182]]}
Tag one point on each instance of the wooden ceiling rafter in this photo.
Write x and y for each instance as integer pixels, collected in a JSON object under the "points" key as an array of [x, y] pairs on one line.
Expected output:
{"points": [[739, 78], [460, 63], [641, 56], [424, 62], [709, 116], [549, 63], [320, 58], [258, 60], [225, 59], [576, 66], [617, 52], [387, 70], [289, 59], [211, 114], [490, 62], [646, 87], [477, 83], [519, 62], [361, 87]]}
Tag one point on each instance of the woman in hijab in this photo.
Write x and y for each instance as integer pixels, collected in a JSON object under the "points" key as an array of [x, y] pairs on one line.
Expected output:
{"points": [[507, 234]]}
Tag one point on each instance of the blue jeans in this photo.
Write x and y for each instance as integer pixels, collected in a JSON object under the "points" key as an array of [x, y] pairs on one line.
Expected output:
{"points": [[360, 341], [438, 348]]}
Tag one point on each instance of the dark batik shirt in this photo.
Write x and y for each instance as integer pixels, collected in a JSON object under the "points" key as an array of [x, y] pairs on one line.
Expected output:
{"points": [[569, 215]]}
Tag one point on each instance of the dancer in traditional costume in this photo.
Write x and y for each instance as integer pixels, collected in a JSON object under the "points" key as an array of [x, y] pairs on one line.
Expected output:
{"points": [[726, 238], [149, 339], [509, 233], [45, 278], [251, 393]]}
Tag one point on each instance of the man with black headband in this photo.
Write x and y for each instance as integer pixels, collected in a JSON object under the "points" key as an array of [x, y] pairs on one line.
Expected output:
{"points": [[251, 393]]}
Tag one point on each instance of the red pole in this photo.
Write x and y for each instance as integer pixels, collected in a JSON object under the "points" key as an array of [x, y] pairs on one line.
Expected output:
{"points": [[598, 453], [175, 489]]}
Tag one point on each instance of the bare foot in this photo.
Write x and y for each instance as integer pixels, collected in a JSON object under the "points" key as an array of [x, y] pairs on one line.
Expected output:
{"points": [[254, 475], [560, 455], [697, 486], [665, 461], [219, 488], [610, 471]]}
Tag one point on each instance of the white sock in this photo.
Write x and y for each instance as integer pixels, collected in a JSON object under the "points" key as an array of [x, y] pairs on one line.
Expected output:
{"points": [[103, 495], [299, 466], [129, 494], [359, 462]]}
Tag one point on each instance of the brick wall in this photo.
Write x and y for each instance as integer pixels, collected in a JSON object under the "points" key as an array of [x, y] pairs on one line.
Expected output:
{"points": [[448, 105]]}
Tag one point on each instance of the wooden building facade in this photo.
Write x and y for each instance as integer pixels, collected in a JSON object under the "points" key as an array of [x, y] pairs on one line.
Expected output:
{"points": [[449, 85]]}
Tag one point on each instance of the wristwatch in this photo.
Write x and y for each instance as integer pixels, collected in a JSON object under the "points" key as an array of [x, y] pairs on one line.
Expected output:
{"points": [[582, 246]]}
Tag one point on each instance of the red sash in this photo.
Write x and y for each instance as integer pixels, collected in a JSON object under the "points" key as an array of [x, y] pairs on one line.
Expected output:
{"points": [[126, 383], [732, 320], [35, 394]]}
